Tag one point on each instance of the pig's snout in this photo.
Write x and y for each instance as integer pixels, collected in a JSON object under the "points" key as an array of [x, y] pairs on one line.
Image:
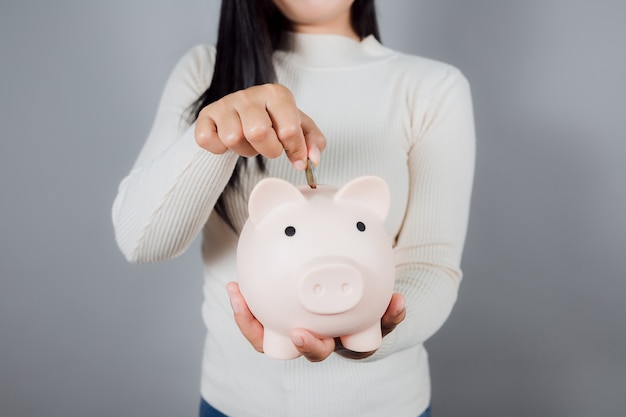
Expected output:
{"points": [[331, 288]]}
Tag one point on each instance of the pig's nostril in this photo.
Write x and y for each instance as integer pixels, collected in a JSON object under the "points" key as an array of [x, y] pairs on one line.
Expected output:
{"points": [[331, 288]]}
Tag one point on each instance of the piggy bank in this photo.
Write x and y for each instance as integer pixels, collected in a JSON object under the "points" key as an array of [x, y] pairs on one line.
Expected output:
{"points": [[318, 259]]}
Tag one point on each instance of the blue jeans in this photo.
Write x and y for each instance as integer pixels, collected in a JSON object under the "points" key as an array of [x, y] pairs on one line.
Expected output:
{"points": [[207, 411]]}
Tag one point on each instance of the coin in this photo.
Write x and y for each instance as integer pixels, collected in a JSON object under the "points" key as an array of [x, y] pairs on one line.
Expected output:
{"points": [[310, 176]]}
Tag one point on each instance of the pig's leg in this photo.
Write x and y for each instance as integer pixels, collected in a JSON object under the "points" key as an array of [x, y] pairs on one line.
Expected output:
{"points": [[364, 341], [278, 346]]}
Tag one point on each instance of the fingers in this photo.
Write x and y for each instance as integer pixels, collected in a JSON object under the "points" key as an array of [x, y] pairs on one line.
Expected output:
{"points": [[314, 138], [396, 312], [257, 130], [264, 120], [219, 128], [247, 323], [206, 133], [394, 315], [350, 354], [310, 346], [313, 348], [287, 123]]}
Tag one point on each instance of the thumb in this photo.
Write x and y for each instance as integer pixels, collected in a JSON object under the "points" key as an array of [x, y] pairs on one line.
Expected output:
{"points": [[314, 138]]}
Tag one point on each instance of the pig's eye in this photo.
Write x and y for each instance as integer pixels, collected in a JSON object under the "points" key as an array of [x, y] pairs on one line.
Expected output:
{"points": [[360, 226], [290, 231]]}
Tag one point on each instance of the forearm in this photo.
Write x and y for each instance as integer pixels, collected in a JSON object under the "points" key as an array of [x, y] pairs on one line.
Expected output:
{"points": [[162, 204], [430, 290], [430, 244]]}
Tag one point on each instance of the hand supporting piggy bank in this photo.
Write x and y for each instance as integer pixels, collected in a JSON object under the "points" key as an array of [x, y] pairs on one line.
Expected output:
{"points": [[318, 259]]}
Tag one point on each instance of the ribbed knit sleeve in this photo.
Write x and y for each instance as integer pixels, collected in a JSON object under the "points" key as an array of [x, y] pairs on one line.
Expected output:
{"points": [[430, 244], [170, 192]]}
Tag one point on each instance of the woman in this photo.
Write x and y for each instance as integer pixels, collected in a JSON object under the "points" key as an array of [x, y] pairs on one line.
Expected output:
{"points": [[283, 72]]}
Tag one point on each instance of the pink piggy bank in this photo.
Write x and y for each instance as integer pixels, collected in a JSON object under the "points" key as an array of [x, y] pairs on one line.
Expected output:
{"points": [[318, 259]]}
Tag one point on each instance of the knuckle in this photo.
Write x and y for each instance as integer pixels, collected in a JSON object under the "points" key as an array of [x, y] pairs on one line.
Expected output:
{"points": [[204, 139], [277, 90], [289, 132], [231, 139], [257, 132]]}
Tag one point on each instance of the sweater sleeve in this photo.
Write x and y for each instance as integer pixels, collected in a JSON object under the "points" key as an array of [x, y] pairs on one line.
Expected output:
{"points": [[430, 244], [167, 197]]}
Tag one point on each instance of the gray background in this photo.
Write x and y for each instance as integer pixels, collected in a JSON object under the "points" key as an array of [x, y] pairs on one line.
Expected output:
{"points": [[539, 328]]}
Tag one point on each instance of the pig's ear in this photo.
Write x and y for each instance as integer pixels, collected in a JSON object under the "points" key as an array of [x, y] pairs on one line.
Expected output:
{"points": [[370, 191], [269, 193]]}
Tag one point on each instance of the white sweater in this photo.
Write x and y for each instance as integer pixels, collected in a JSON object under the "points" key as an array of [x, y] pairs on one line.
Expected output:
{"points": [[406, 119]]}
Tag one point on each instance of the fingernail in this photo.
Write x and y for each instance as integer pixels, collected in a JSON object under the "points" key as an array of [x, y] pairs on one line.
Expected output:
{"points": [[297, 340], [230, 290], [235, 306], [314, 155], [300, 165], [400, 309]]}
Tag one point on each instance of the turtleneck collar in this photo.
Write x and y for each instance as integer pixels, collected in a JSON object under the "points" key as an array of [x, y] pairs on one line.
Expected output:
{"points": [[330, 51]]}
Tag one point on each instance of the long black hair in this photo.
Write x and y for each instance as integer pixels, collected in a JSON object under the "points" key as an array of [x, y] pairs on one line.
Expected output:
{"points": [[249, 32]]}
